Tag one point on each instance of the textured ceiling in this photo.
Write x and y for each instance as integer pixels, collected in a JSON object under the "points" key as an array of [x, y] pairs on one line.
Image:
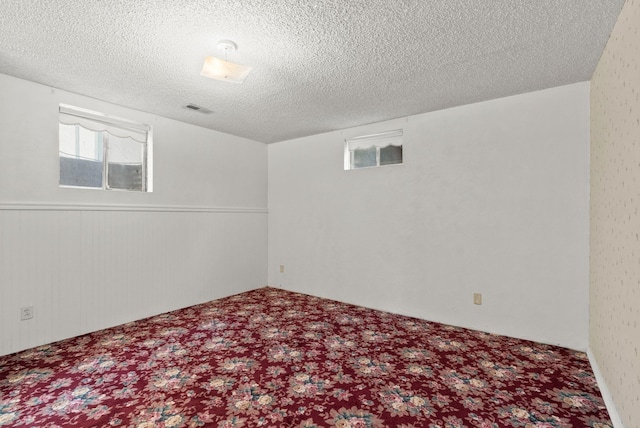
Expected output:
{"points": [[319, 65]]}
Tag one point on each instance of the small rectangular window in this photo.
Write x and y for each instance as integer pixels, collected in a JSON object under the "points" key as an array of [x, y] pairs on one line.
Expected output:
{"points": [[103, 152], [373, 150]]}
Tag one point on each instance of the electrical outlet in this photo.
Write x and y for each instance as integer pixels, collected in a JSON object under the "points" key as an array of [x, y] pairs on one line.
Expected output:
{"points": [[281, 268], [26, 313], [477, 298]]}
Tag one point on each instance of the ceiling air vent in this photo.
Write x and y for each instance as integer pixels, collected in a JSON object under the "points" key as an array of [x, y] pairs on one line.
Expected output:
{"points": [[198, 108]]}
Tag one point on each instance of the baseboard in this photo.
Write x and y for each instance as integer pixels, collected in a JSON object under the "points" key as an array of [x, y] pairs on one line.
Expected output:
{"points": [[604, 390]]}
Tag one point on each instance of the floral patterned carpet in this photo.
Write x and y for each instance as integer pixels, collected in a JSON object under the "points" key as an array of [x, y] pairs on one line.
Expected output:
{"points": [[273, 358]]}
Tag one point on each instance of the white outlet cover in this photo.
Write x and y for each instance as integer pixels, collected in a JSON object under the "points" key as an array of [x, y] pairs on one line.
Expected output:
{"points": [[26, 313]]}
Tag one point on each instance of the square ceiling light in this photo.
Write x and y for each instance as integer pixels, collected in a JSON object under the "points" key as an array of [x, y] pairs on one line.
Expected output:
{"points": [[221, 69]]}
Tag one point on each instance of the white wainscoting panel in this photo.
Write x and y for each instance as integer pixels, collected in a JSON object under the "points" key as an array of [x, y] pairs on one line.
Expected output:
{"points": [[87, 269]]}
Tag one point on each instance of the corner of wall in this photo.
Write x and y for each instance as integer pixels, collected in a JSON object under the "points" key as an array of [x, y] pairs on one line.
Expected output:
{"points": [[604, 390]]}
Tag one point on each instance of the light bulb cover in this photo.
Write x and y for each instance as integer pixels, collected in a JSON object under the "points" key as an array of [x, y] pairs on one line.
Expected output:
{"points": [[219, 69]]}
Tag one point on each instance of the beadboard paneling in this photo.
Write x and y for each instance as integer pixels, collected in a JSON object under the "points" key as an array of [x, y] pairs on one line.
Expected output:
{"points": [[84, 270]]}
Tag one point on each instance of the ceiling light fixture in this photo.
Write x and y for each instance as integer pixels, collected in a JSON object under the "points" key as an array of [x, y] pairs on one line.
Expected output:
{"points": [[221, 69]]}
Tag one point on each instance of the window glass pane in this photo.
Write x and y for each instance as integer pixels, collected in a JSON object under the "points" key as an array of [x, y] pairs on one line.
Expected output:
{"points": [[125, 163], [390, 155], [67, 140], [363, 158], [80, 157], [89, 144]]}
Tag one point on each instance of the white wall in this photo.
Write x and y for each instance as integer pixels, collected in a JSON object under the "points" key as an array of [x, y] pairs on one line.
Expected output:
{"points": [[492, 198], [88, 259]]}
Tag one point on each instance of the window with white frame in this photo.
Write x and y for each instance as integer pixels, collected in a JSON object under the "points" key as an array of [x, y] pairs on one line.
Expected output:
{"points": [[103, 152], [380, 149]]}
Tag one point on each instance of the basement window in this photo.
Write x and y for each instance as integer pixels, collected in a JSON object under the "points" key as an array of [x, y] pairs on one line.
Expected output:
{"points": [[97, 151], [373, 150]]}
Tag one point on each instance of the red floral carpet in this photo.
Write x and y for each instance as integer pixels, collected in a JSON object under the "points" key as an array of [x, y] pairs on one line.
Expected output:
{"points": [[273, 358]]}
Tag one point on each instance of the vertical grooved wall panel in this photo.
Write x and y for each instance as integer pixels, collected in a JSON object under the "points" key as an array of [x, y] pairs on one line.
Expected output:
{"points": [[87, 270]]}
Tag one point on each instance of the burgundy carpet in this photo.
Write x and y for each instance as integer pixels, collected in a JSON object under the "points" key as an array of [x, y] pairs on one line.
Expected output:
{"points": [[273, 358]]}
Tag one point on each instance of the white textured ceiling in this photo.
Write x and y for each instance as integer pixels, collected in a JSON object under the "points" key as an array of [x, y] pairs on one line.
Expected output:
{"points": [[319, 65]]}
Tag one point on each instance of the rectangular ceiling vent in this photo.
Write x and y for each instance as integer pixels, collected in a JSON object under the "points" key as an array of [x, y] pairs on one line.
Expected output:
{"points": [[198, 108]]}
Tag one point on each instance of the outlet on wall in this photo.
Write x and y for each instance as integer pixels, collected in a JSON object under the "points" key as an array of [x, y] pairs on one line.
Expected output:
{"points": [[26, 313], [477, 298], [281, 268]]}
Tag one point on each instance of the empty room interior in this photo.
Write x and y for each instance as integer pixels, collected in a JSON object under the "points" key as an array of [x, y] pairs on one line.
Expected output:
{"points": [[424, 167]]}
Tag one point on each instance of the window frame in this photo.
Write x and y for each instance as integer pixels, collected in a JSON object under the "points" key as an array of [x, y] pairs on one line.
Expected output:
{"points": [[349, 149], [108, 122]]}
